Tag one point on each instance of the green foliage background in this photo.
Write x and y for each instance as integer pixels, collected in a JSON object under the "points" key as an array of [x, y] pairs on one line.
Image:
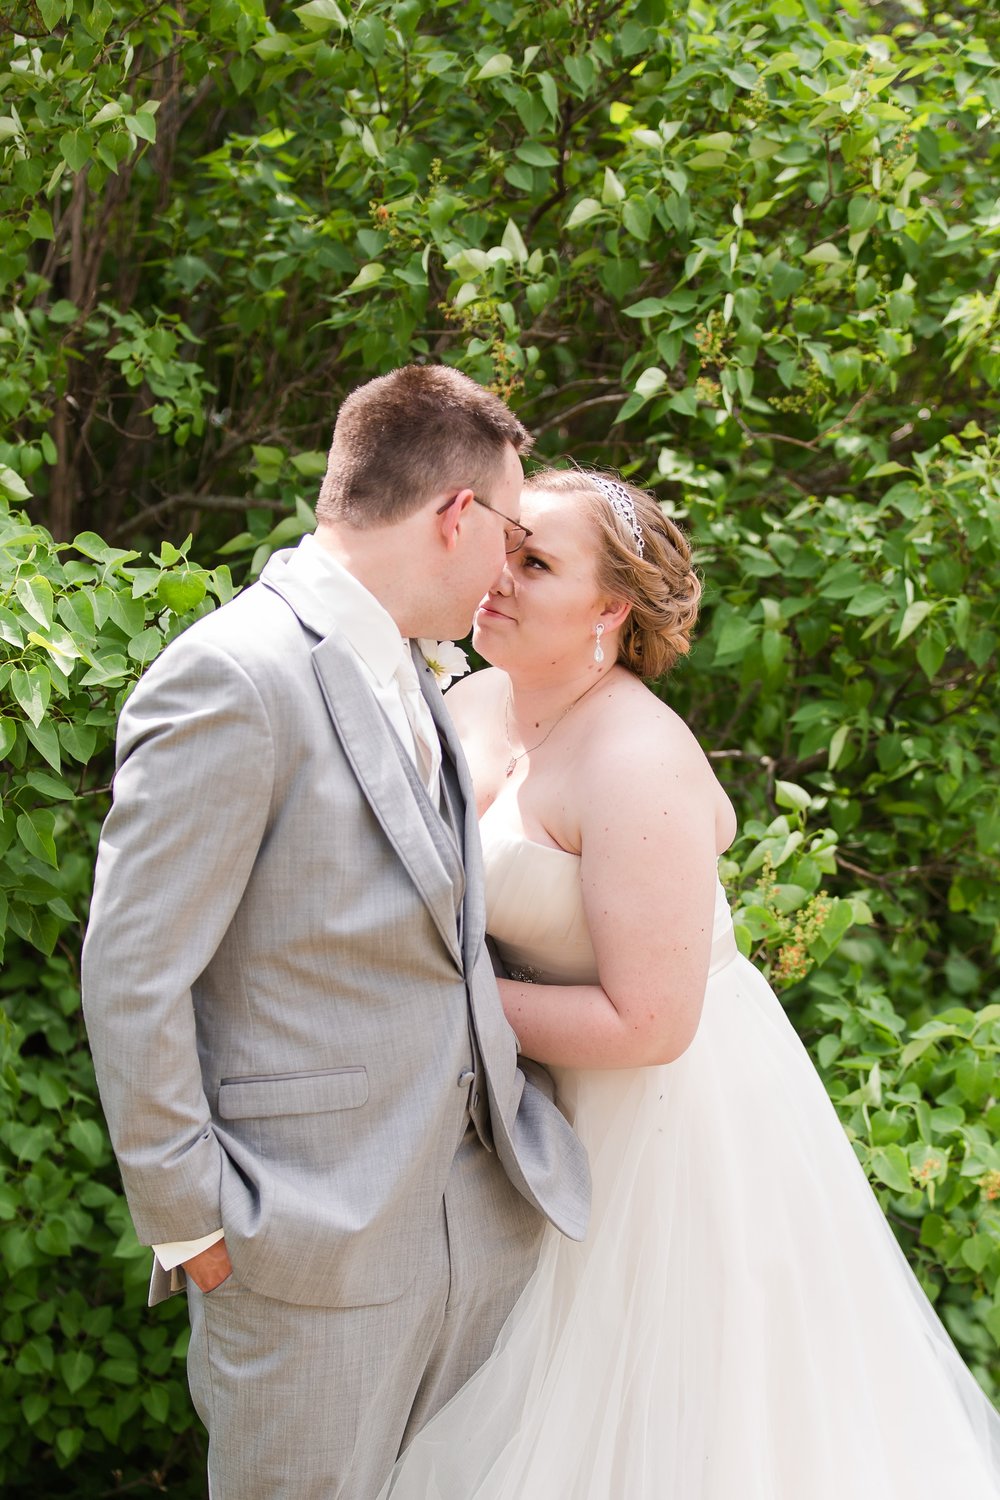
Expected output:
{"points": [[749, 254]]}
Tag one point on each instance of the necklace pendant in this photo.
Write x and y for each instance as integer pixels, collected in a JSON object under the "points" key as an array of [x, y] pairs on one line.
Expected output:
{"points": [[511, 764]]}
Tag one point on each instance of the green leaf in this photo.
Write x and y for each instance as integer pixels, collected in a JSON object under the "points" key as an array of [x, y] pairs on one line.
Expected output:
{"points": [[242, 72], [550, 94], [651, 381], [583, 212], [862, 213], [69, 1441], [974, 1076], [719, 140], [110, 111], [12, 484], [156, 1401], [75, 146], [890, 1166], [514, 243], [499, 65], [32, 690], [871, 599], [931, 653], [825, 254], [91, 545], [320, 15], [39, 224], [647, 307], [915, 614], [76, 1368], [882, 469], [121, 1371], [142, 125], [612, 191], [847, 368], [145, 646], [628, 408], [736, 634], [978, 1251], [787, 794], [181, 592], [581, 72], [34, 1407], [89, 1139], [36, 596], [35, 830], [992, 1321], [109, 666], [10, 629], [838, 743], [45, 738], [536, 155], [310, 463], [367, 276], [78, 740], [637, 218]]}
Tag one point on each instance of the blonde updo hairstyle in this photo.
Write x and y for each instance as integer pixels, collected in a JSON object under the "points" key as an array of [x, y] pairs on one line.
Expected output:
{"points": [[661, 586]]}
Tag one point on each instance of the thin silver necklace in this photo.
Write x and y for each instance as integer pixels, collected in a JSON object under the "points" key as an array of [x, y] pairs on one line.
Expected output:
{"points": [[529, 748]]}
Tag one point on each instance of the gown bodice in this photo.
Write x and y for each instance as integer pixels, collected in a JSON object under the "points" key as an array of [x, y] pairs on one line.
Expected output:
{"points": [[535, 910]]}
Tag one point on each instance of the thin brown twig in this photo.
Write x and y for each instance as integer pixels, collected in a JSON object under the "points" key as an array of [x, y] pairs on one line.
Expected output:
{"points": [[572, 411], [195, 502], [813, 443]]}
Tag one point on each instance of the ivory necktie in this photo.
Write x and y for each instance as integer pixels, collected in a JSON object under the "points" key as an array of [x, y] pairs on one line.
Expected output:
{"points": [[421, 721]]}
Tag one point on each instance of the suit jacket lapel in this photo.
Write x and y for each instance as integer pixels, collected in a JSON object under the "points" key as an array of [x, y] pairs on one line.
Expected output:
{"points": [[367, 741], [475, 895]]}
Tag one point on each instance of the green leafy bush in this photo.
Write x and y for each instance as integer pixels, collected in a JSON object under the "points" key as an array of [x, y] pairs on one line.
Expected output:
{"points": [[87, 1370]]}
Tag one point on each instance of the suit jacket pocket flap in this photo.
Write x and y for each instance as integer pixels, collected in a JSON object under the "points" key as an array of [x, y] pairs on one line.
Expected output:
{"points": [[292, 1094]]}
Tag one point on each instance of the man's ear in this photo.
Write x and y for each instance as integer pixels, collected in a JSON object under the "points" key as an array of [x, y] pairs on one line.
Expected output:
{"points": [[450, 519]]}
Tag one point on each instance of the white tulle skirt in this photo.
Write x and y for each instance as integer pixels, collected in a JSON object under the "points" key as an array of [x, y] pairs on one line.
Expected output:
{"points": [[740, 1323]]}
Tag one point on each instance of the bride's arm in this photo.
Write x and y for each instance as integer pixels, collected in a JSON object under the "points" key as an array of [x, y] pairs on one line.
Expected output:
{"points": [[648, 866]]}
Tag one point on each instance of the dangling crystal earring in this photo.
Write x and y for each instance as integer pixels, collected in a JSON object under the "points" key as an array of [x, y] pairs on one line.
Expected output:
{"points": [[598, 648]]}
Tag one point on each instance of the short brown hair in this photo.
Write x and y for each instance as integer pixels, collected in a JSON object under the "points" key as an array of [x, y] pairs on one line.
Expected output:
{"points": [[661, 585], [403, 437]]}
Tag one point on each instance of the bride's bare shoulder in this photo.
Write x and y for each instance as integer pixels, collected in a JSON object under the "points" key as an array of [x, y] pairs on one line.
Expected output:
{"points": [[654, 752], [641, 727]]}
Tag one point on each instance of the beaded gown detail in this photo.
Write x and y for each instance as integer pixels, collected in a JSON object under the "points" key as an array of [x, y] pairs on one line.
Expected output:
{"points": [[740, 1323]]}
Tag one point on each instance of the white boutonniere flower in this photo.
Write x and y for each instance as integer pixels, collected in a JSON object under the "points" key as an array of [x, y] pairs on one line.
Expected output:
{"points": [[446, 660]]}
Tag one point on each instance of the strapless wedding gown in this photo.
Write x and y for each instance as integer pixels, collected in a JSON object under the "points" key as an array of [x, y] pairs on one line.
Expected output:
{"points": [[740, 1323]]}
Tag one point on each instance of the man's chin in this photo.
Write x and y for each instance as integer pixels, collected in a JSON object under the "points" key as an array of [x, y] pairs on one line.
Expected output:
{"points": [[453, 630]]}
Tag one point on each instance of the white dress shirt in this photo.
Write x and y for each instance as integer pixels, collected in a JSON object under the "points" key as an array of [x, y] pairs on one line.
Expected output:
{"points": [[384, 658]]}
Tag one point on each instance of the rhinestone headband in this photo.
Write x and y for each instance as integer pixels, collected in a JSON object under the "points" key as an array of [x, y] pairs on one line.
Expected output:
{"points": [[623, 505]]}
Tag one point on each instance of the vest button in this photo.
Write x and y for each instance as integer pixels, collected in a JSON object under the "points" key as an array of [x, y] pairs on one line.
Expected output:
{"points": [[465, 1078]]}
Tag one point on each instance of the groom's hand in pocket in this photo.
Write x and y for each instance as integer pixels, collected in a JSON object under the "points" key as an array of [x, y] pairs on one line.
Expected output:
{"points": [[210, 1268]]}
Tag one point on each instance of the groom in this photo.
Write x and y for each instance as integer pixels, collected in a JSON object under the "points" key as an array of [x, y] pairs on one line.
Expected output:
{"points": [[309, 1081]]}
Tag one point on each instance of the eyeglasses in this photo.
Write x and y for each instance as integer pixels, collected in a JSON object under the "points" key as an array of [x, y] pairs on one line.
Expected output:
{"points": [[516, 534]]}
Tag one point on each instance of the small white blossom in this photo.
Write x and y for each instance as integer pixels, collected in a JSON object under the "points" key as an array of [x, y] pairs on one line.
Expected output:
{"points": [[446, 660]]}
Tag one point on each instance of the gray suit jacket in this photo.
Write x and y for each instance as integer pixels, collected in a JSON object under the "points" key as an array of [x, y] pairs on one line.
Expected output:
{"points": [[286, 984]]}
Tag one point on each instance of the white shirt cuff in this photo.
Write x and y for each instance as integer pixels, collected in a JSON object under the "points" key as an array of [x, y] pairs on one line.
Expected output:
{"points": [[178, 1251]]}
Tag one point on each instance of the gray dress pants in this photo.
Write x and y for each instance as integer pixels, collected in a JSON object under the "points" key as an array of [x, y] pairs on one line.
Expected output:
{"points": [[315, 1403]]}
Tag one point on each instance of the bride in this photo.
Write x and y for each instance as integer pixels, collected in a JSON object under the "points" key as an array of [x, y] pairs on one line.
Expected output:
{"points": [[740, 1323]]}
